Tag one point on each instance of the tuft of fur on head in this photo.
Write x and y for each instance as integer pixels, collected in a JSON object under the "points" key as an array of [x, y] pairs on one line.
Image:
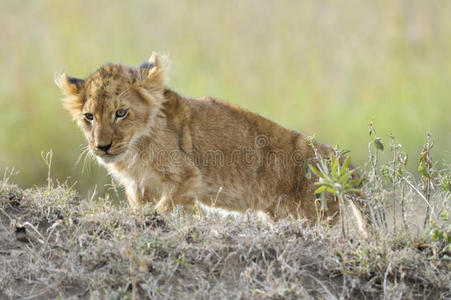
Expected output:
{"points": [[73, 90]]}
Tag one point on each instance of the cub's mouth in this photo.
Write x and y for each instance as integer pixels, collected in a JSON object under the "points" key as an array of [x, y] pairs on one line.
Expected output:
{"points": [[110, 157]]}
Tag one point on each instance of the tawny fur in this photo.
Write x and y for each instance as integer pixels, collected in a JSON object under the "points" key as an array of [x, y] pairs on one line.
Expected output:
{"points": [[175, 150]]}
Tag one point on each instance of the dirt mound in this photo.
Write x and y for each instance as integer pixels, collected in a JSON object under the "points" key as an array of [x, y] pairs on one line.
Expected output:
{"points": [[54, 244]]}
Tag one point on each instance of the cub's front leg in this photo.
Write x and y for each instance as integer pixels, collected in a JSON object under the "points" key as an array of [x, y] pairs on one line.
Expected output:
{"points": [[139, 196], [181, 189]]}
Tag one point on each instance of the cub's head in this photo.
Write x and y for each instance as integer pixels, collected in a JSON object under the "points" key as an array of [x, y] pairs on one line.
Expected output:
{"points": [[115, 106]]}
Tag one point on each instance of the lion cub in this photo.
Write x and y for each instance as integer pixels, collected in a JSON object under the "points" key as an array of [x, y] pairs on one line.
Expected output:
{"points": [[174, 150]]}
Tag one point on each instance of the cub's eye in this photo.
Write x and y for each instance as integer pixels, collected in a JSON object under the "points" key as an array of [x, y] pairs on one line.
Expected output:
{"points": [[121, 113], [89, 116]]}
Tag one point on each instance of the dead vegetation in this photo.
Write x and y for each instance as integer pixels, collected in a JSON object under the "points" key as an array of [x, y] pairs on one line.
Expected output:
{"points": [[56, 245]]}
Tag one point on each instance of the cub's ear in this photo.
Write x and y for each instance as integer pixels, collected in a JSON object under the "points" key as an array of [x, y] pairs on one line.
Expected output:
{"points": [[73, 90], [145, 66], [155, 60], [152, 73]]}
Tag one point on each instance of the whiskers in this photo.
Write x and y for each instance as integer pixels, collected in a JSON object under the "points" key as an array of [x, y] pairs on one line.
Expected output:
{"points": [[134, 154], [87, 158]]}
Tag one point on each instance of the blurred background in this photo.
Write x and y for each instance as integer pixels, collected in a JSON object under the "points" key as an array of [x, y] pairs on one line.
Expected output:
{"points": [[321, 67]]}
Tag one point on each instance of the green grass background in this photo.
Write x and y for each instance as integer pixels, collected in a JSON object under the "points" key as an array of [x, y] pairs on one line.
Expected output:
{"points": [[320, 67]]}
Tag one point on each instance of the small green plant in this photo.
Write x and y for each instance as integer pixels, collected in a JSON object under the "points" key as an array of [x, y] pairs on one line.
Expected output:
{"points": [[441, 231], [335, 178], [446, 184]]}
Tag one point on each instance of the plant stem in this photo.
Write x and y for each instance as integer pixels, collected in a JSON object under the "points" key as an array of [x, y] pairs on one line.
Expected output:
{"points": [[394, 183], [403, 211], [428, 165], [342, 212]]}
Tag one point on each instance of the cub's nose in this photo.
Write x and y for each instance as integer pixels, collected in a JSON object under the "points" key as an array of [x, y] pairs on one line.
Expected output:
{"points": [[104, 148]]}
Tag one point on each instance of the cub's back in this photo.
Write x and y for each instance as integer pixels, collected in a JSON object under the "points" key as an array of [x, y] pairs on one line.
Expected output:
{"points": [[253, 157]]}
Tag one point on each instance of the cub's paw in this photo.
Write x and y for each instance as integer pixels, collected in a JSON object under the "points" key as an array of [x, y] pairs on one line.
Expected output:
{"points": [[163, 206]]}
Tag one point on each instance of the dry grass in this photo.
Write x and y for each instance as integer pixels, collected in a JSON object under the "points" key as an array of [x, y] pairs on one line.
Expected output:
{"points": [[54, 244]]}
